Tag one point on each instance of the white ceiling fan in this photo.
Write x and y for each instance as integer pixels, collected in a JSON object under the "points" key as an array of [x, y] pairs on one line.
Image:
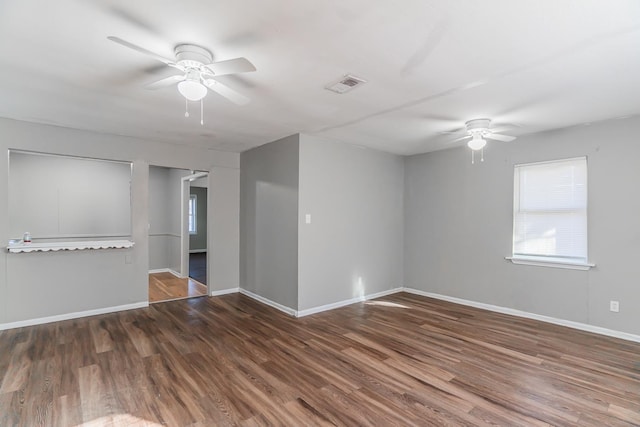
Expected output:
{"points": [[478, 131], [197, 71]]}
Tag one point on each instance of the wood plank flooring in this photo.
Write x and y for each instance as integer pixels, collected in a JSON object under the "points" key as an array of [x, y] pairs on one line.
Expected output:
{"points": [[167, 287], [398, 360]]}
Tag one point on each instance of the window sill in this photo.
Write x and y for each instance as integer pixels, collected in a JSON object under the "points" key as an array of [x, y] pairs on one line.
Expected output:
{"points": [[551, 264]]}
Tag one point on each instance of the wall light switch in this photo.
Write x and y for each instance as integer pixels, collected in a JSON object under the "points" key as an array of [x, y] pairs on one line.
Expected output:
{"points": [[307, 219], [614, 306]]}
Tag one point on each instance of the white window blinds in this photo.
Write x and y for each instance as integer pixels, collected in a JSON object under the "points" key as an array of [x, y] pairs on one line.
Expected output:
{"points": [[550, 211]]}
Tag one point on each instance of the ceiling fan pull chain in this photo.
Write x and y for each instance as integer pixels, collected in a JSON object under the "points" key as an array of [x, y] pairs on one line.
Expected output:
{"points": [[202, 112], [186, 108], [482, 155], [473, 161]]}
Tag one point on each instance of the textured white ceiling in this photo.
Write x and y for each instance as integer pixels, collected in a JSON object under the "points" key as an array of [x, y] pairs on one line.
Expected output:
{"points": [[430, 66]]}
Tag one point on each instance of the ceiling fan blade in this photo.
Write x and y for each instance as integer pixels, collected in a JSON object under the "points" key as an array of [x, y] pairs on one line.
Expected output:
{"points": [[462, 138], [142, 50], [498, 137], [231, 66], [164, 82], [504, 127], [226, 91], [452, 132]]}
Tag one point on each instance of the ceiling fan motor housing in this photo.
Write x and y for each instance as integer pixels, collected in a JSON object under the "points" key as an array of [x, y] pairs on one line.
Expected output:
{"points": [[478, 126], [192, 56]]}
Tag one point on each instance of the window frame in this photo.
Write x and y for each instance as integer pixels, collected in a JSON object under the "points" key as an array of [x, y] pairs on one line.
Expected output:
{"points": [[541, 260], [193, 213]]}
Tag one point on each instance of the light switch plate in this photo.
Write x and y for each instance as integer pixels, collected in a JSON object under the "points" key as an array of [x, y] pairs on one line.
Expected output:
{"points": [[307, 219]]}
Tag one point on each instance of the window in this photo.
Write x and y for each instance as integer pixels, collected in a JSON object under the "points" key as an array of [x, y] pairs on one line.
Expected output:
{"points": [[550, 212], [193, 217]]}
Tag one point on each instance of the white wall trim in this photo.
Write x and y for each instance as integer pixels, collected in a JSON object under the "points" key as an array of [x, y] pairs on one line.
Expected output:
{"points": [[288, 310], [75, 315], [166, 270], [519, 313], [350, 301], [224, 292]]}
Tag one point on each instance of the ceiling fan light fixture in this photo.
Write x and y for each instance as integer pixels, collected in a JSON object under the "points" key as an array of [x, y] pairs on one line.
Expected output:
{"points": [[477, 142], [193, 90]]}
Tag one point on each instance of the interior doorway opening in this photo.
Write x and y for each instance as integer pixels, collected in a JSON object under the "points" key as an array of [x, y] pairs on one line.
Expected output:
{"points": [[197, 227], [175, 220]]}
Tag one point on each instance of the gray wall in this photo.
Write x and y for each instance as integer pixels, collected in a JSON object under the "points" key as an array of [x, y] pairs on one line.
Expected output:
{"points": [[174, 208], [223, 248], [56, 197], [198, 241], [458, 226], [269, 221], [353, 246], [85, 280], [165, 186], [158, 218]]}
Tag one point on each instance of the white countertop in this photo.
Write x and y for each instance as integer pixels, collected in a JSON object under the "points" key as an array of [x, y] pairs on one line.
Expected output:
{"points": [[68, 246]]}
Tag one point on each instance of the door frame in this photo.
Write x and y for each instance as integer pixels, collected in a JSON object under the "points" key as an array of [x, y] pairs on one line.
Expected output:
{"points": [[184, 223]]}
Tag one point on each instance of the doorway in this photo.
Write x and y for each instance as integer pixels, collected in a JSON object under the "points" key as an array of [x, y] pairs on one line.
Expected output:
{"points": [[169, 234], [197, 227]]}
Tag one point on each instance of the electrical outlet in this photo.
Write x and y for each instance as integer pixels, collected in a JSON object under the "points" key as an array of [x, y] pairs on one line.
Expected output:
{"points": [[614, 306]]}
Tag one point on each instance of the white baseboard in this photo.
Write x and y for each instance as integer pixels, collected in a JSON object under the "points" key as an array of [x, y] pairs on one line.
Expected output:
{"points": [[350, 301], [75, 315], [197, 251], [167, 270], [505, 310], [288, 310], [224, 292], [519, 313]]}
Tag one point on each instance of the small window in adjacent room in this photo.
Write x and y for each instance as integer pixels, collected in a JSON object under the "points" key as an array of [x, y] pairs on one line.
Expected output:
{"points": [[550, 212], [193, 208]]}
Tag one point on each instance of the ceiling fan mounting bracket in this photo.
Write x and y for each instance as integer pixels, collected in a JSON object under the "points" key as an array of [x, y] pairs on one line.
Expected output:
{"points": [[192, 56]]}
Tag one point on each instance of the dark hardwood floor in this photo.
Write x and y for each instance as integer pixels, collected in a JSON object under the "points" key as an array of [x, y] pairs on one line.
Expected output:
{"points": [[398, 360]]}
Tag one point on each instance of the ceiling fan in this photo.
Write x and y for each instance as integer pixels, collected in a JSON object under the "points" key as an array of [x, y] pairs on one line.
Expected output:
{"points": [[197, 71], [478, 131]]}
